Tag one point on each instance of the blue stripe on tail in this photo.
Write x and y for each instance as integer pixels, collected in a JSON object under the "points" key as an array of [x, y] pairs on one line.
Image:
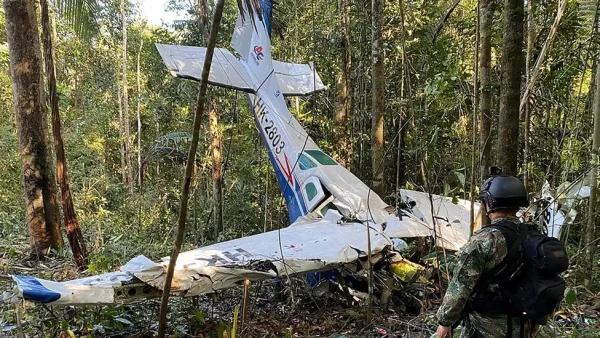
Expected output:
{"points": [[267, 12], [34, 291]]}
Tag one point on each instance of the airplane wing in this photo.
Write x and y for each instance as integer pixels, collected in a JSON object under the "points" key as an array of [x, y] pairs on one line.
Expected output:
{"points": [[312, 245], [452, 221], [227, 71]]}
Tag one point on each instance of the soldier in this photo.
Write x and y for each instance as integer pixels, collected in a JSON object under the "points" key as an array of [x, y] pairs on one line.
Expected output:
{"points": [[470, 296]]}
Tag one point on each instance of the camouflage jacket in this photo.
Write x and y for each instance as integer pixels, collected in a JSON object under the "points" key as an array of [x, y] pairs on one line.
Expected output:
{"points": [[484, 250]]}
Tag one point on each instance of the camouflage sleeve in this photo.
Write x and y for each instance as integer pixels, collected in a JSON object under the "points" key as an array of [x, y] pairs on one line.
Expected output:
{"points": [[479, 254]]}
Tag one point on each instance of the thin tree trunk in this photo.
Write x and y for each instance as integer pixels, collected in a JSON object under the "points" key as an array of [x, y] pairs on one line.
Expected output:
{"points": [[474, 149], [378, 96], [542, 57], [126, 132], [590, 231], [57, 233], [191, 160], [485, 67], [532, 78], [121, 136], [139, 118], [266, 203], [589, 100], [512, 60], [342, 113], [26, 74], [215, 134], [74, 235], [203, 19], [443, 20], [50, 189], [217, 169], [402, 117], [528, 107]]}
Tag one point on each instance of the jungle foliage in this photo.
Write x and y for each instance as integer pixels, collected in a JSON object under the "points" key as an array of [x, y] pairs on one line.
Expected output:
{"points": [[428, 55]]}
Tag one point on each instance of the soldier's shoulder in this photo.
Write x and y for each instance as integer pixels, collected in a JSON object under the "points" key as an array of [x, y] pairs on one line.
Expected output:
{"points": [[488, 238], [487, 232]]}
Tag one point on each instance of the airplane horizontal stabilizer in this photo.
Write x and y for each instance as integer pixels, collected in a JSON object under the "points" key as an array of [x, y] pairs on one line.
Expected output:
{"points": [[227, 71]]}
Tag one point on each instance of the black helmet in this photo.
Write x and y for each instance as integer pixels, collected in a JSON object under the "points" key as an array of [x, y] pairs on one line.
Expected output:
{"points": [[503, 192]]}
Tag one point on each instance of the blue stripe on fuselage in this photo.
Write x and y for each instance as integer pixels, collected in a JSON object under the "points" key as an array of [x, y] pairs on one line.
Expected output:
{"points": [[34, 291], [293, 196], [295, 204]]}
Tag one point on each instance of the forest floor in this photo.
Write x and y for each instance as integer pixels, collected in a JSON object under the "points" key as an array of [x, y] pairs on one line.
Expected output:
{"points": [[319, 312]]}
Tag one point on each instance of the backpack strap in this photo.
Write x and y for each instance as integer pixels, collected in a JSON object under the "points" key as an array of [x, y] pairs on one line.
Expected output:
{"points": [[512, 248]]}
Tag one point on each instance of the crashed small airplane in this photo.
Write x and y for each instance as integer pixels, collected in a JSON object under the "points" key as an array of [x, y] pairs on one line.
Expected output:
{"points": [[329, 208]]}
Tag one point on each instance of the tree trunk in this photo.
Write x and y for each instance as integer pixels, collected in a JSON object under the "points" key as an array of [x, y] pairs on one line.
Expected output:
{"points": [[402, 116], [342, 113], [26, 73], [74, 235], [203, 16], [443, 20], [126, 132], [485, 68], [510, 90], [589, 100], [217, 168], [191, 160], [474, 148], [542, 57], [50, 189], [378, 96], [528, 107], [215, 134], [139, 118], [121, 135], [590, 231]]}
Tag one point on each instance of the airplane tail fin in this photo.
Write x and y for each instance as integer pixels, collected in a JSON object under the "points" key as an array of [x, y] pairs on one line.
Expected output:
{"points": [[253, 27]]}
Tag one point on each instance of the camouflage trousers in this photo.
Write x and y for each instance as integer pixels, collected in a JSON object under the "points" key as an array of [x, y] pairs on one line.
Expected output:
{"points": [[477, 325]]}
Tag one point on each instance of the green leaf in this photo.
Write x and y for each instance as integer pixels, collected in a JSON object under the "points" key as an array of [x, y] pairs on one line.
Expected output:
{"points": [[199, 315], [571, 297], [123, 320], [447, 189], [461, 177]]}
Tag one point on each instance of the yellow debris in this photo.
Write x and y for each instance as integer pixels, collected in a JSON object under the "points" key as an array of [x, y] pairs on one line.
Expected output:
{"points": [[406, 270]]}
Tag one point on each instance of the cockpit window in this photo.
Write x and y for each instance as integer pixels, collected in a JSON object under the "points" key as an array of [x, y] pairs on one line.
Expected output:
{"points": [[305, 163], [321, 157]]}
